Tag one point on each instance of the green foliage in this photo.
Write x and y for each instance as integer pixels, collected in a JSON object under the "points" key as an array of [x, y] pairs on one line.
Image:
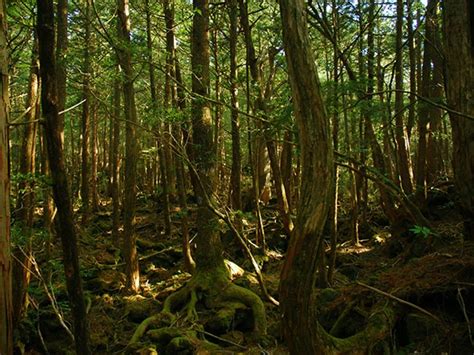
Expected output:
{"points": [[421, 231]]}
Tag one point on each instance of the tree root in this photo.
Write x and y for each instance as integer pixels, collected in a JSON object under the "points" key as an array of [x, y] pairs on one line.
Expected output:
{"points": [[213, 291]]}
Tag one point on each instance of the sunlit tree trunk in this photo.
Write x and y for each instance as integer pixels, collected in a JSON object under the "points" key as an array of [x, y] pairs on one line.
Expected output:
{"points": [[132, 271], [6, 306], [67, 231], [459, 53]]}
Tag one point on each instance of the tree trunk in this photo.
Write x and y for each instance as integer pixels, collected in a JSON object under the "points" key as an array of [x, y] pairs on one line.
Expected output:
{"points": [[424, 111], [459, 53], [132, 271], [115, 160], [263, 93], [94, 149], [301, 330], [61, 50], [6, 306], [403, 156], [86, 118], [66, 226], [209, 251], [24, 211], [299, 276]]}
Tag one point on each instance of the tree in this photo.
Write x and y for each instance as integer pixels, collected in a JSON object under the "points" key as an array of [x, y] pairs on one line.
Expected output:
{"points": [[236, 193], [211, 279], [6, 307], [67, 230], [298, 298], [403, 156], [132, 271], [24, 211], [86, 117], [459, 52], [299, 273]]}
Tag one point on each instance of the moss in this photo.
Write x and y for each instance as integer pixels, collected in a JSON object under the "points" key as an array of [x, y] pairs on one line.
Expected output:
{"points": [[180, 345], [164, 335]]}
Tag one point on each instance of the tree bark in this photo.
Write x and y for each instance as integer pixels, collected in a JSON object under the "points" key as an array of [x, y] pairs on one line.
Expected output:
{"points": [[403, 156], [132, 271], [67, 231], [299, 276], [459, 53], [24, 211], [6, 304], [86, 118], [424, 111], [115, 160], [209, 250]]}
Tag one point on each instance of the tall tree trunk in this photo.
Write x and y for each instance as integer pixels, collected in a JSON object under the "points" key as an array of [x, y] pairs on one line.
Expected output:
{"points": [[86, 118], [132, 271], [165, 151], [403, 156], [24, 211], [299, 276], [6, 306], [209, 250], [94, 149], [412, 61], [61, 50], [459, 53], [66, 226], [424, 111], [236, 192], [115, 159]]}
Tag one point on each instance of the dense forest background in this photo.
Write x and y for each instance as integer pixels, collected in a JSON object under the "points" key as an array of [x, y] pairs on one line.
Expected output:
{"points": [[236, 176]]}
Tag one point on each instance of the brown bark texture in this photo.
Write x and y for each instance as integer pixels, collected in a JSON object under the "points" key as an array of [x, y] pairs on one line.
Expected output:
{"points": [[131, 150], [299, 276], [67, 231], [6, 323], [459, 53]]}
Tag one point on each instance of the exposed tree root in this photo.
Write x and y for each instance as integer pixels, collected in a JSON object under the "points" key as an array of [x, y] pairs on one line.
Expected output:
{"points": [[211, 290], [371, 340]]}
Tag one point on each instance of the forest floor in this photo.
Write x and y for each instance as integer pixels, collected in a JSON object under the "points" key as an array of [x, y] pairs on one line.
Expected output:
{"points": [[426, 277]]}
